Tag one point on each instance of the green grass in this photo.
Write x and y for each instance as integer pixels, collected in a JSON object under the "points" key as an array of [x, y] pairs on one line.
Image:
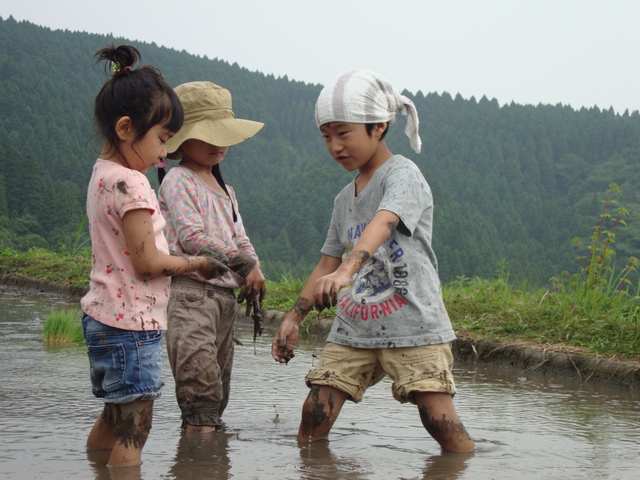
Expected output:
{"points": [[489, 309], [282, 294], [597, 308], [62, 327], [492, 309], [600, 313], [49, 266]]}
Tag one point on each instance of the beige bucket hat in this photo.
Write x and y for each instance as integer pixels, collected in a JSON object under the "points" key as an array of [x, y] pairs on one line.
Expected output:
{"points": [[208, 117]]}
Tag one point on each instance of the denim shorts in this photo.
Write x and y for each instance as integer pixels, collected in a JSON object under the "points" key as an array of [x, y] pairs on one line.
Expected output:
{"points": [[126, 365]]}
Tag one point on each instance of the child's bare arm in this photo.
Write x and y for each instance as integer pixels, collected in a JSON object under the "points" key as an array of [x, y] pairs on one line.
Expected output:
{"points": [[147, 261], [327, 287], [286, 337]]}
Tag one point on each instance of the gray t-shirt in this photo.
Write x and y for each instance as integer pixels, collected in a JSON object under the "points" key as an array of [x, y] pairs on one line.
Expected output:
{"points": [[395, 299]]}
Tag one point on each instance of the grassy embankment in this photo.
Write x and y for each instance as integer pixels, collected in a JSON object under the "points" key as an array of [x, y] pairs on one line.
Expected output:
{"points": [[601, 319], [596, 310]]}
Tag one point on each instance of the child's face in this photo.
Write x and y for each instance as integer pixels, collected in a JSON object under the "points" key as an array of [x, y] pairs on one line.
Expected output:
{"points": [[148, 151], [202, 153], [350, 144]]}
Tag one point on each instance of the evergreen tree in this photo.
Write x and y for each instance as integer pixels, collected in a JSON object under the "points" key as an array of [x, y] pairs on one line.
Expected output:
{"points": [[511, 185]]}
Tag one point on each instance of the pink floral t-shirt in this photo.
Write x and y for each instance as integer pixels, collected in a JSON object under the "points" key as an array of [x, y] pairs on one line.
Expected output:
{"points": [[117, 296], [198, 216]]}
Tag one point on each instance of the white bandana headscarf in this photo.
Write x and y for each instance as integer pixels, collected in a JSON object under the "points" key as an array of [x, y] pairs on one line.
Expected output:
{"points": [[361, 96]]}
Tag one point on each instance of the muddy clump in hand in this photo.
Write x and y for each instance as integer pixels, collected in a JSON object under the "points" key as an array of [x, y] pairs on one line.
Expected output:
{"points": [[216, 259]]}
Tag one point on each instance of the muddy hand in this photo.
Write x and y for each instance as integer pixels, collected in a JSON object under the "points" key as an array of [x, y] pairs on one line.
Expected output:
{"points": [[244, 294], [285, 355], [326, 300], [284, 341], [327, 289], [281, 351], [216, 259]]}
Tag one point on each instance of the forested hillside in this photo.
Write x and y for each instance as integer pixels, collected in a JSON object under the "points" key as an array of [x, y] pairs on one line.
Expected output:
{"points": [[512, 185]]}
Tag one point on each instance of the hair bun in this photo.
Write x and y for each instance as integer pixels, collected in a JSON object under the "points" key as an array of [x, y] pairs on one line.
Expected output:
{"points": [[122, 58]]}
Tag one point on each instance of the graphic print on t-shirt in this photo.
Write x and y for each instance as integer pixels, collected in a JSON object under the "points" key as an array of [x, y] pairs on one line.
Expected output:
{"points": [[373, 293], [370, 281]]}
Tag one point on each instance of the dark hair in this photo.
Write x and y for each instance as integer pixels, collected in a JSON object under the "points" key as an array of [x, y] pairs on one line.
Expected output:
{"points": [[141, 94], [215, 171], [369, 127]]}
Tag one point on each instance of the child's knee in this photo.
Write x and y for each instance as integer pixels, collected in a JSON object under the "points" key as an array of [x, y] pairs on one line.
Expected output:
{"points": [[133, 422], [313, 410], [323, 404]]}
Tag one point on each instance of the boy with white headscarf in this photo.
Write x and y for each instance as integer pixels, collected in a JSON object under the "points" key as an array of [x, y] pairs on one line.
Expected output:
{"points": [[378, 269]]}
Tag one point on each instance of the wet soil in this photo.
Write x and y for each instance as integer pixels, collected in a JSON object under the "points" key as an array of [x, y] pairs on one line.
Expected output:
{"points": [[551, 361], [42, 286]]}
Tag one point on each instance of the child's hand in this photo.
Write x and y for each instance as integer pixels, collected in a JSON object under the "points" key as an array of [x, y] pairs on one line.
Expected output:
{"points": [[284, 341], [255, 284], [216, 263], [327, 289]]}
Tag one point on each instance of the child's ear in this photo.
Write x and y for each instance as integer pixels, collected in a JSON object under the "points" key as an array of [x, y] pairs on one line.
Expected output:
{"points": [[378, 129], [124, 129]]}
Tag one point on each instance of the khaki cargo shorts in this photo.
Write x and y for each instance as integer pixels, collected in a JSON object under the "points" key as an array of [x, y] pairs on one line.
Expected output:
{"points": [[426, 368]]}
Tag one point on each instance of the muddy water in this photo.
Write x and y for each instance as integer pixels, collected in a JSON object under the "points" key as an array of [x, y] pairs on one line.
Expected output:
{"points": [[525, 427]]}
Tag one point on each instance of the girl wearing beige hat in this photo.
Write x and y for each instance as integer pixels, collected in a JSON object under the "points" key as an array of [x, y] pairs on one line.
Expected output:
{"points": [[202, 211]]}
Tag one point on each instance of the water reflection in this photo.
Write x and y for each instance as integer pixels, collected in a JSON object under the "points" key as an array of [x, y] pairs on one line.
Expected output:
{"points": [[98, 461], [317, 462], [526, 426], [202, 456], [446, 466]]}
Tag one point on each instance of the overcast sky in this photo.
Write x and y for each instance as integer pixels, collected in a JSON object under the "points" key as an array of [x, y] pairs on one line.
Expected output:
{"points": [[574, 52]]}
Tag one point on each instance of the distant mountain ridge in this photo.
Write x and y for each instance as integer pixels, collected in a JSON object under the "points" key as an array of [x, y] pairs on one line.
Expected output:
{"points": [[512, 185]]}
